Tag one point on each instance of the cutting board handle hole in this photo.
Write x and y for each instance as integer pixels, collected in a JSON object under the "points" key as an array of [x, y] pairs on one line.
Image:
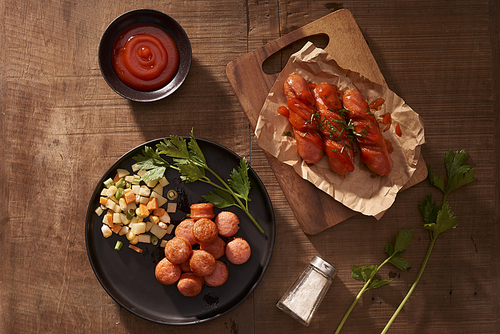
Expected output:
{"points": [[276, 62]]}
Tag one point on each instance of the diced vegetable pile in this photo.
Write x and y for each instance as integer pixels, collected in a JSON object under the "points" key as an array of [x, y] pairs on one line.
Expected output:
{"points": [[136, 209]]}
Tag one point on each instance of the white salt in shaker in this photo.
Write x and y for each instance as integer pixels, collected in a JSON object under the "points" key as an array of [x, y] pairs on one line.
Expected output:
{"points": [[305, 295]]}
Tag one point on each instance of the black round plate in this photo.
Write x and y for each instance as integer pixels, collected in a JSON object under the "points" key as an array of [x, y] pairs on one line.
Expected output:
{"points": [[129, 278]]}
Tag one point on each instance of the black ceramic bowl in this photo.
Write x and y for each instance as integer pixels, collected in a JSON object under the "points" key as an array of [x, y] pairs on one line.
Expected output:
{"points": [[144, 16]]}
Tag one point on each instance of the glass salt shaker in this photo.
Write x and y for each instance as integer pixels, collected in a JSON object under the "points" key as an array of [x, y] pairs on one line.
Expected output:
{"points": [[305, 295]]}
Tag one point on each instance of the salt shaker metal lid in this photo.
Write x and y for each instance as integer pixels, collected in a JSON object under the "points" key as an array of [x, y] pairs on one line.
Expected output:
{"points": [[323, 266]]}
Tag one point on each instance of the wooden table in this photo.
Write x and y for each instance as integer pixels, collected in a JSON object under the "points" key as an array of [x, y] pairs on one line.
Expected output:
{"points": [[62, 127]]}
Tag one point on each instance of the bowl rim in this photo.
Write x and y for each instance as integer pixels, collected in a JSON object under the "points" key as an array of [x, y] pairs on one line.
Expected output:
{"points": [[144, 16]]}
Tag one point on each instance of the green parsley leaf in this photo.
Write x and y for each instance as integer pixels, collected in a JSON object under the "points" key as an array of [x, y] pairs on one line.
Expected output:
{"points": [[190, 172], [239, 180], [220, 198], [195, 152], [152, 163], [429, 209], [175, 147], [459, 173], [377, 283], [363, 273], [435, 179], [400, 263], [403, 240], [445, 221]]}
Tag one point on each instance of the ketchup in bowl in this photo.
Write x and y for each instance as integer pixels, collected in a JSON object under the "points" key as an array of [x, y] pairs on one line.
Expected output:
{"points": [[145, 57]]}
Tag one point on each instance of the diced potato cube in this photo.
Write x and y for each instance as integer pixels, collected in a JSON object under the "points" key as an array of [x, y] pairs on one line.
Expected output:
{"points": [[158, 188], [122, 172], [163, 243], [135, 168], [130, 235], [131, 206], [99, 210], [138, 228], [123, 204], [111, 205], [136, 188], [144, 191], [143, 200], [134, 241], [113, 198], [116, 218], [124, 230], [129, 178], [163, 181], [171, 207], [161, 200], [106, 231], [152, 183], [154, 219], [158, 231], [145, 238], [170, 228], [165, 218], [111, 191], [104, 192], [124, 219], [149, 224]]}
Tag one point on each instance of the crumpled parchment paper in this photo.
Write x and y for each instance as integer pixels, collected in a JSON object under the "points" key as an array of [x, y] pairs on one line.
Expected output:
{"points": [[362, 190]]}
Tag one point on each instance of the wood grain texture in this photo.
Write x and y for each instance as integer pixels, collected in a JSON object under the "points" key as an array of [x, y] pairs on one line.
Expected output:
{"points": [[62, 127]]}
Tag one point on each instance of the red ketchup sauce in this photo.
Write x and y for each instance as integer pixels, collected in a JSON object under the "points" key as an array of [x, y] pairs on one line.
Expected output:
{"points": [[145, 57]]}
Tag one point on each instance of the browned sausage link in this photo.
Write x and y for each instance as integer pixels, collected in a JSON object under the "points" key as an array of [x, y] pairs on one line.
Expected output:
{"points": [[332, 124], [374, 152]]}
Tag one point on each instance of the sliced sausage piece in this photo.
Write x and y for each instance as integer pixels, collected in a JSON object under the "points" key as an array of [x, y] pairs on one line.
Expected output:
{"points": [[167, 272], [204, 231], [227, 223], [185, 268], [184, 230], [202, 210], [202, 263], [238, 251], [178, 250], [216, 248], [219, 276], [190, 284]]}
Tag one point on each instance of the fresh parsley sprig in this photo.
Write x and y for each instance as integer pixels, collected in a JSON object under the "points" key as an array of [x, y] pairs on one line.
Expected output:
{"points": [[367, 274], [189, 160], [439, 219]]}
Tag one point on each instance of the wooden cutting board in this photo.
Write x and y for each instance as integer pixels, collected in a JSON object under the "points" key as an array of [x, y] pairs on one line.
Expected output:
{"points": [[315, 210]]}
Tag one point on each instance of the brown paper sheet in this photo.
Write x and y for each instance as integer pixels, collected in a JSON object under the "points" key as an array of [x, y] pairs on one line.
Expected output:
{"points": [[361, 190]]}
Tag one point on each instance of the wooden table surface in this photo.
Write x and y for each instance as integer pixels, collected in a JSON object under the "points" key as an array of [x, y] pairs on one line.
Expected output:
{"points": [[62, 127]]}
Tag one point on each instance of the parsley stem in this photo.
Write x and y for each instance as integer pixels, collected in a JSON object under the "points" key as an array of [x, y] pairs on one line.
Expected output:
{"points": [[360, 293], [237, 197], [414, 285]]}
